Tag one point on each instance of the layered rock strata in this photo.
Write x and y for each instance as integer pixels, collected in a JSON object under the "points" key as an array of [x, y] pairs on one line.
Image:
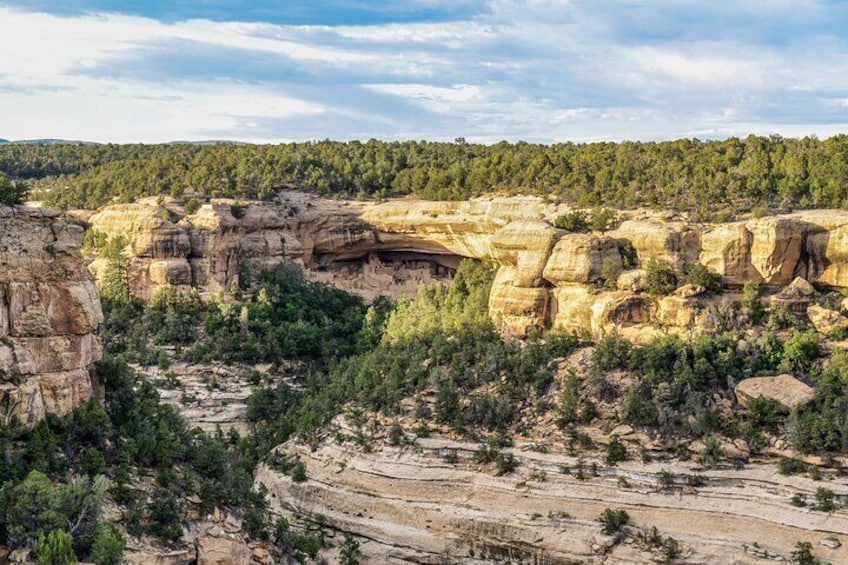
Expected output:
{"points": [[547, 277], [49, 315], [433, 504]]}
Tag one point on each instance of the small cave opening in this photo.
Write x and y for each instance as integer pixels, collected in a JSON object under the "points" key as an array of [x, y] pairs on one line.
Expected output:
{"points": [[392, 273]]}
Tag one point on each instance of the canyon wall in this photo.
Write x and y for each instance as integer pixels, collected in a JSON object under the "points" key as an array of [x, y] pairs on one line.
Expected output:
{"points": [[433, 503], [547, 277], [49, 315]]}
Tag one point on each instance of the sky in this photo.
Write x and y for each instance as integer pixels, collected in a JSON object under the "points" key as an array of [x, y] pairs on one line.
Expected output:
{"points": [[545, 71]]}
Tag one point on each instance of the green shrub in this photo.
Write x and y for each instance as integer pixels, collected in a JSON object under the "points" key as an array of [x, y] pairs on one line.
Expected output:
{"points": [[803, 554], [349, 554], [54, 549], [601, 219], [613, 520], [611, 352], [575, 221], [192, 205], [12, 192], [299, 472], [108, 546], [447, 402], [505, 464], [238, 210], [762, 413], [825, 499], [800, 351], [164, 511], [790, 466], [36, 507], [616, 451], [752, 305], [569, 403], [660, 279], [700, 275], [610, 271]]}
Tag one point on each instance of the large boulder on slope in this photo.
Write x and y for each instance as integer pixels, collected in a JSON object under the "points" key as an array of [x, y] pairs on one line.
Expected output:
{"points": [[786, 390]]}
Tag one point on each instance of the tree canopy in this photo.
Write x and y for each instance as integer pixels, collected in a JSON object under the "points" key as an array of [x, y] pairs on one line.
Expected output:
{"points": [[707, 177]]}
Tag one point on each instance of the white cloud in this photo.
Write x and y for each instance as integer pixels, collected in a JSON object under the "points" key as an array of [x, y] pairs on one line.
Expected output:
{"points": [[526, 69]]}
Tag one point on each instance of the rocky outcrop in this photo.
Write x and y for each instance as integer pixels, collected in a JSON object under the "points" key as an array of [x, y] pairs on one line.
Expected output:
{"points": [[547, 277], [49, 315], [581, 258], [776, 248], [825, 320], [417, 505], [656, 238], [726, 249], [222, 551], [786, 390]]}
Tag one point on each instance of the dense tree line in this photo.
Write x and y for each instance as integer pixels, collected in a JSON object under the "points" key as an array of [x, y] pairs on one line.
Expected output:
{"points": [[701, 176]]}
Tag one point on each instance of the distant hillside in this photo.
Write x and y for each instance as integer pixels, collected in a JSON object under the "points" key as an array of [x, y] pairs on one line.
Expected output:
{"points": [[51, 141]]}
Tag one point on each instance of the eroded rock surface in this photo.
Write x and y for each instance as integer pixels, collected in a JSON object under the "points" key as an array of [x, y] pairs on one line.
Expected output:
{"points": [[786, 390], [547, 277], [49, 313], [413, 505]]}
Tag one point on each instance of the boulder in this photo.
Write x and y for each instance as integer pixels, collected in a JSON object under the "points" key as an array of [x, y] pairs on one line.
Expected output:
{"points": [[689, 290], [776, 248], [672, 242], [786, 390], [170, 272], [580, 258], [831, 542], [726, 250], [517, 310], [524, 245], [582, 310], [677, 312], [222, 551], [799, 287], [631, 280], [825, 320]]}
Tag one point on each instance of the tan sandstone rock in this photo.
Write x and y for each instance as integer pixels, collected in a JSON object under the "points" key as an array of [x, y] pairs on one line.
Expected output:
{"points": [[516, 309], [655, 239], [525, 245], [788, 391], [776, 248], [579, 258], [48, 315], [726, 250], [825, 320], [580, 309], [222, 551]]}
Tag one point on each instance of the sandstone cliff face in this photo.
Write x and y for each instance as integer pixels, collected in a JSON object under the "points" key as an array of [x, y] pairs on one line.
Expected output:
{"points": [[410, 505], [49, 313], [547, 277]]}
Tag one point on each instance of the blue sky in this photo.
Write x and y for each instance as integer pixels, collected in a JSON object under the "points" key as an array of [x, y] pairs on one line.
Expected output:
{"points": [[486, 70]]}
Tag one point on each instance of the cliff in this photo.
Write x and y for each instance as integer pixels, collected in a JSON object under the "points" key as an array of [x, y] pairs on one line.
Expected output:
{"points": [[49, 314], [547, 277], [432, 503]]}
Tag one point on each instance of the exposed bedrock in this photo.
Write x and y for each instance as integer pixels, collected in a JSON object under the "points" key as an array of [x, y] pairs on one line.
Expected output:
{"points": [[410, 505], [547, 277], [49, 315]]}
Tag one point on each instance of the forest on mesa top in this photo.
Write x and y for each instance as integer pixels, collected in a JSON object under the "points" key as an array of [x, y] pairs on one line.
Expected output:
{"points": [[709, 178]]}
